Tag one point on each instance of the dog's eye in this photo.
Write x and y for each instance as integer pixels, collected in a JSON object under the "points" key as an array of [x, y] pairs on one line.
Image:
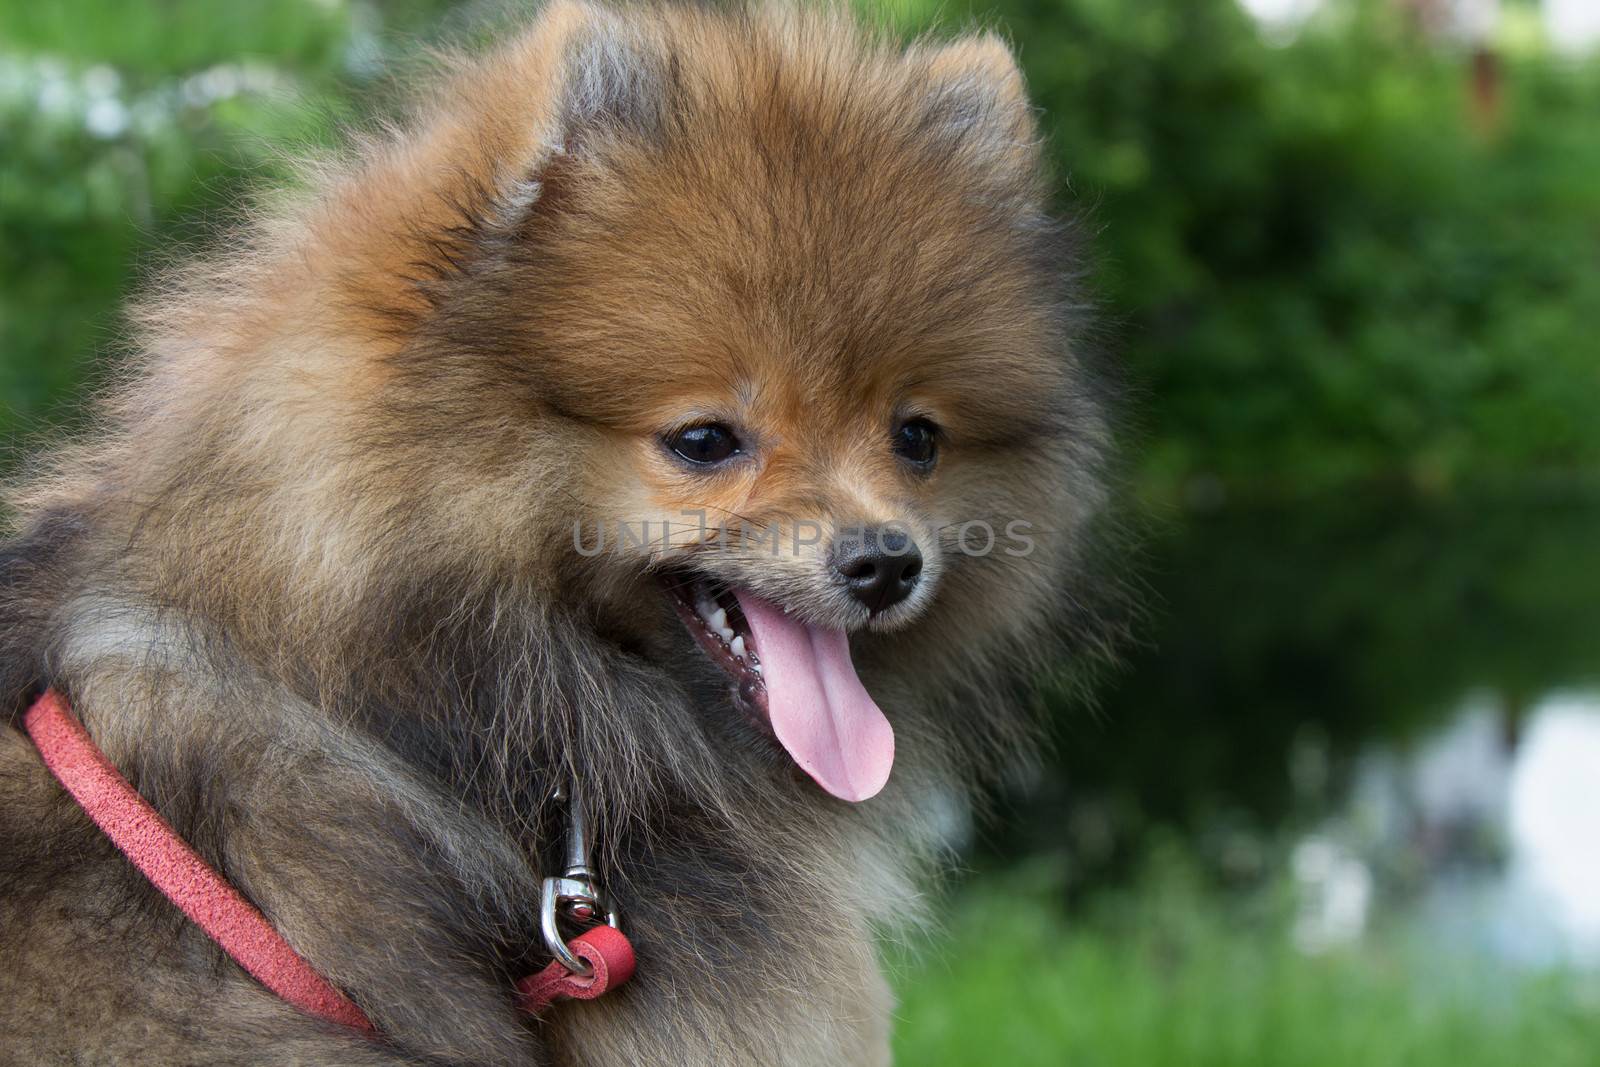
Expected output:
{"points": [[918, 442], [708, 443]]}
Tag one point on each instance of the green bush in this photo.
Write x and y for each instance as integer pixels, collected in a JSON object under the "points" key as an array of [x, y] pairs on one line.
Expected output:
{"points": [[124, 129]]}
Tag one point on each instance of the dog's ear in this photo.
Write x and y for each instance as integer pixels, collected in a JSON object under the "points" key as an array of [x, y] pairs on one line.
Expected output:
{"points": [[613, 82], [976, 93], [609, 84]]}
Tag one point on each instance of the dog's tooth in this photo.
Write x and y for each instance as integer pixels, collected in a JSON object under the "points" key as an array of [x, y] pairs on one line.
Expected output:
{"points": [[725, 632], [718, 619], [738, 646]]}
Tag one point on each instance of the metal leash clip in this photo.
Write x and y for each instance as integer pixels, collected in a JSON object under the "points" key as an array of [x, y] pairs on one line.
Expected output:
{"points": [[575, 895]]}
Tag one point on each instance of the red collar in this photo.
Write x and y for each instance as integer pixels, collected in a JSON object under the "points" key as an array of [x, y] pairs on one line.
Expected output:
{"points": [[207, 898]]}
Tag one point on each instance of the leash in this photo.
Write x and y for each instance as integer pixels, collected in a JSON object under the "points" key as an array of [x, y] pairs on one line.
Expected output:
{"points": [[588, 965]]}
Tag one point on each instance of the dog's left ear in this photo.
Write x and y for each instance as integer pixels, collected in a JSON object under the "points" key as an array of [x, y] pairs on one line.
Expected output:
{"points": [[976, 92], [610, 84], [614, 82]]}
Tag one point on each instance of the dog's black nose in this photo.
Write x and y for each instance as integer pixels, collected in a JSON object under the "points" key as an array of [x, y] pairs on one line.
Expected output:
{"points": [[880, 565]]}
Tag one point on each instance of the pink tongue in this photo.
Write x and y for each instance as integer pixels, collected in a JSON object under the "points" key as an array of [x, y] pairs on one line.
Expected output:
{"points": [[818, 706]]}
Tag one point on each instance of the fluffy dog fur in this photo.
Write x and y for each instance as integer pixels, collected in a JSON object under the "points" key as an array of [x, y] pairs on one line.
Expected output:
{"points": [[312, 585]]}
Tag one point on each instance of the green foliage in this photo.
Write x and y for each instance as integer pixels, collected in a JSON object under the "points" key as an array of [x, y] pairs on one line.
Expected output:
{"points": [[177, 37], [1171, 975], [125, 129]]}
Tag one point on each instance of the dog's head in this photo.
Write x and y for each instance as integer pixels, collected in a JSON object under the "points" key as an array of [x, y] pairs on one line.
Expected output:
{"points": [[803, 298]]}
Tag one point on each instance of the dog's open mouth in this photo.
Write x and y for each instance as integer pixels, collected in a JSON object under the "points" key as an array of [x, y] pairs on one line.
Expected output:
{"points": [[795, 678], [713, 617]]}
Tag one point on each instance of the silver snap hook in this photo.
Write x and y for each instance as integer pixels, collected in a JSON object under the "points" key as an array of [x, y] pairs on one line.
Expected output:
{"points": [[574, 896]]}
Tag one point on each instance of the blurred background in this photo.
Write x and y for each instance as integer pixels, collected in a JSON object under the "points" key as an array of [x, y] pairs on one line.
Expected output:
{"points": [[1341, 804]]}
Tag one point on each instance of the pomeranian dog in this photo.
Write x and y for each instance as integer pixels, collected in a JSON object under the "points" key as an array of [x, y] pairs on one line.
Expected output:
{"points": [[683, 413]]}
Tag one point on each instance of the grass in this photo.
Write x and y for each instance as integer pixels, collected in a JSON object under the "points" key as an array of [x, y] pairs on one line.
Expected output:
{"points": [[1168, 974]]}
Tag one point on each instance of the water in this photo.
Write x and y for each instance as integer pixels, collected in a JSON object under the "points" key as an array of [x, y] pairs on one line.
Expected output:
{"points": [[1485, 832], [1554, 815], [1393, 707], [1537, 791]]}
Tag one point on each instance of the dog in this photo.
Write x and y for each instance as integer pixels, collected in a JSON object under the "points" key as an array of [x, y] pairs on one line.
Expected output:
{"points": [[682, 422]]}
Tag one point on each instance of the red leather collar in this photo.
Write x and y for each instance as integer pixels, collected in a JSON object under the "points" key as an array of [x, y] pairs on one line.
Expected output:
{"points": [[154, 847]]}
